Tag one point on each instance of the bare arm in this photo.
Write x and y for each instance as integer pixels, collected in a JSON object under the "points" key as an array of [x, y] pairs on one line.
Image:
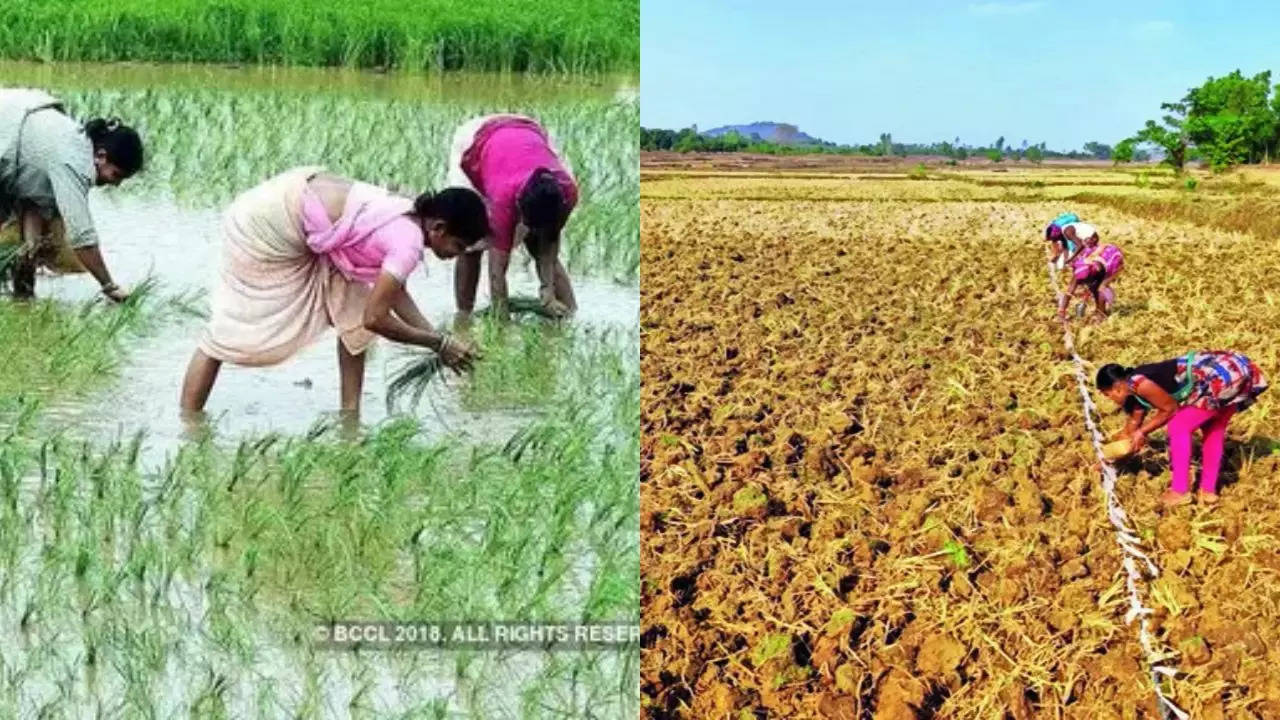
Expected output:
{"points": [[1066, 296], [1132, 424], [71, 195], [548, 246], [549, 276], [378, 317], [1072, 254], [407, 310], [1164, 404], [388, 295], [91, 259], [466, 276]]}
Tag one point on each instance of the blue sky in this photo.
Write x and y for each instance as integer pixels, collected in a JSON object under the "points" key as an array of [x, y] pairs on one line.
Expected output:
{"points": [[1055, 71]]}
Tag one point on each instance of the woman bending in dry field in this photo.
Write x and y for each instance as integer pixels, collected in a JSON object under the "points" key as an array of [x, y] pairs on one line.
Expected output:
{"points": [[1062, 248], [1079, 236], [1091, 276], [1202, 389]]}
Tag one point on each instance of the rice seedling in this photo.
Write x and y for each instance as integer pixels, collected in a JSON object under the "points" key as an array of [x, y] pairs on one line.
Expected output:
{"points": [[513, 37], [194, 587], [207, 144], [253, 545], [868, 491], [68, 349]]}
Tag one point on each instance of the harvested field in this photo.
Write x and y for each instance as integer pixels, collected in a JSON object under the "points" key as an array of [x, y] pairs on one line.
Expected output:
{"points": [[866, 485]]}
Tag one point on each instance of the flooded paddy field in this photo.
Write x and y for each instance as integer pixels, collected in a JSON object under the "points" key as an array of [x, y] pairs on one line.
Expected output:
{"points": [[150, 570]]}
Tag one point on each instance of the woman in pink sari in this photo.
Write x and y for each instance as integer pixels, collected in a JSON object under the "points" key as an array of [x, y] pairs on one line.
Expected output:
{"points": [[307, 250], [530, 192]]}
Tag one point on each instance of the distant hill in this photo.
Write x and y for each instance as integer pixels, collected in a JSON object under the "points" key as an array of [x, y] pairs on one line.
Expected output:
{"points": [[780, 133]]}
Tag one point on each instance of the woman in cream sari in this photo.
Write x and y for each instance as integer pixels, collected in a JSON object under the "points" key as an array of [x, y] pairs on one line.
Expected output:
{"points": [[307, 250]]}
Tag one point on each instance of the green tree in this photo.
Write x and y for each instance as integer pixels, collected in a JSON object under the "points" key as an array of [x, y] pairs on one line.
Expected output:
{"points": [[1099, 150], [994, 154], [1171, 136], [886, 144], [687, 140], [1123, 152], [1035, 154], [1230, 118], [1227, 120]]}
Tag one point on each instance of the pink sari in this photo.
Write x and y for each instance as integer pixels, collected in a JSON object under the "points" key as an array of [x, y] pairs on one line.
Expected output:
{"points": [[273, 295], [351, 243]]}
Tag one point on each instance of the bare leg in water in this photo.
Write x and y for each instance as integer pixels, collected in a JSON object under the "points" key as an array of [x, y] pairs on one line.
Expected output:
{"points": [[202, 371], [351, 371], [564, 289], [22, 269]]}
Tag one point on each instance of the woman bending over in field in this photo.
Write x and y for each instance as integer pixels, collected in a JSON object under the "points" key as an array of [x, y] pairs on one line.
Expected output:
{"points": [[1200, 390], [1091, 276], [48, 163], [1062, 248], [510, 160], [1078, 235], [307, 250]]}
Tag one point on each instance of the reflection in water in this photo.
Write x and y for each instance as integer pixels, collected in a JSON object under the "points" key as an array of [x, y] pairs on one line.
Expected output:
{"points": [[154, 236], [454, 86]]}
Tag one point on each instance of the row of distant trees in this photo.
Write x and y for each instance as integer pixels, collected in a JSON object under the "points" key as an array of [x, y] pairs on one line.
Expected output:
{"points": [[1227, 121], [689, 140]]}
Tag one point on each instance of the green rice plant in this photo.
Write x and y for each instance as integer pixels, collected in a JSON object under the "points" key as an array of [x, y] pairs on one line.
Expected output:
{"points": [[205, 145], [280, 532], [521, 368], [414, 378], [70, 348], [957, 554], [513, 36]]}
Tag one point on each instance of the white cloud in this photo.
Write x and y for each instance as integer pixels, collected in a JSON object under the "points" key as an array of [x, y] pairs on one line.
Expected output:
{"points": [[1153, 29], [1005, 8]]}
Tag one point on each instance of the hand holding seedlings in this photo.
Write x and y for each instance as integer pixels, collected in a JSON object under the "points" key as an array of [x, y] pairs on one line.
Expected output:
{"points": [[555, 308], [458, 355], [115, 293]]}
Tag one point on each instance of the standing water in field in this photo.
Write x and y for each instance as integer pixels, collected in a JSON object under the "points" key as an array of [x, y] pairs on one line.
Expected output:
{"points": [[207, 145], [289, 397]]}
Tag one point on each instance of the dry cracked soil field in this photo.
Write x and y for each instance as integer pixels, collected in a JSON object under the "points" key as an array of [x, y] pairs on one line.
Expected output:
{"points": [[867, 489]]}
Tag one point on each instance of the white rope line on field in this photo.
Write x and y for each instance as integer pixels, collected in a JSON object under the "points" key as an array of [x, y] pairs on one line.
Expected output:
{"points": [[1136, 561]]}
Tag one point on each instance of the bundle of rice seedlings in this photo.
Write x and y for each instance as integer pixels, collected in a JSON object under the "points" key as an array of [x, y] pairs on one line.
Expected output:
{"points": [[524, 305], [413, 378]]}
